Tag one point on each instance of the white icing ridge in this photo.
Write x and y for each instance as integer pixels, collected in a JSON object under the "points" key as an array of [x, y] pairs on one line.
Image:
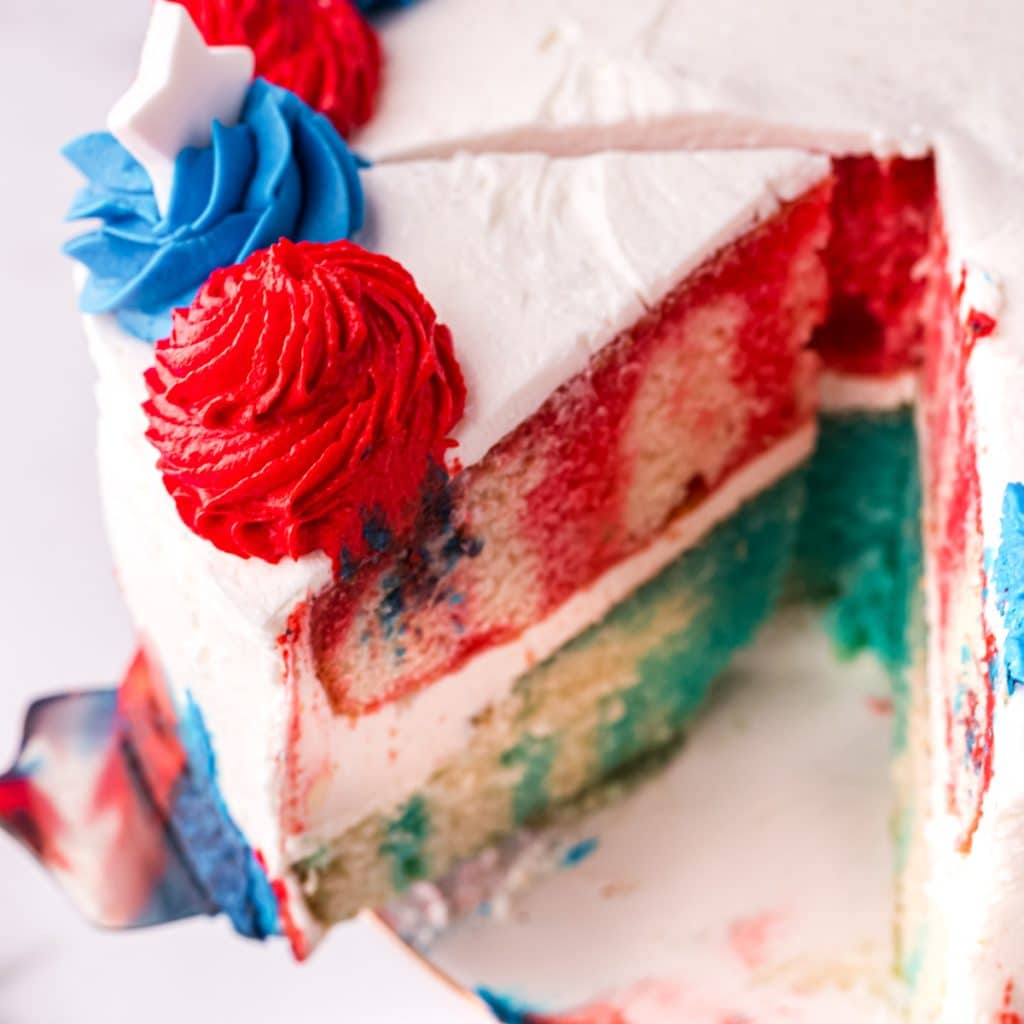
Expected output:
{"points": [[543, 296]]}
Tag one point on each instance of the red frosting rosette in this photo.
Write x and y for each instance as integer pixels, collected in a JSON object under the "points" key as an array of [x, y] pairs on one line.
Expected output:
{"points": [[323, 50], [304, 401]]}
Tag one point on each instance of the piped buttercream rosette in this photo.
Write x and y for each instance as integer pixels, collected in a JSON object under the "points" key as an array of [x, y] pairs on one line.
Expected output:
{"points": [[302, 402]]}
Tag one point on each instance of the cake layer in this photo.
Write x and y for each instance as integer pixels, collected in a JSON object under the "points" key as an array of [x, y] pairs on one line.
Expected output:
{"points": [[620, 690], [709, 378], [215, 620]]}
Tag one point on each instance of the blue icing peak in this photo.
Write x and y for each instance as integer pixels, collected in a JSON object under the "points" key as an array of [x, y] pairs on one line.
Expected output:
{"points": [[281, 172], [1008, 580]]}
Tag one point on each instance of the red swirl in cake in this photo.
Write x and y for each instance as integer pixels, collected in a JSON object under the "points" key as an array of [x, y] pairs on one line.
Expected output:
{"points": [[301, 402], [324, 50]]}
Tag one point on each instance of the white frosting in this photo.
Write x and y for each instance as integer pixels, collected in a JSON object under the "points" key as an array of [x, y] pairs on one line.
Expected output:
{"points": [[850, 392], [751, 880], [182, 87], [559, 257]]}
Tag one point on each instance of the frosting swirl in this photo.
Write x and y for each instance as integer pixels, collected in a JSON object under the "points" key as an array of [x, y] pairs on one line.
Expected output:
{"points": [[302, 403], [282, 171], [321, 49]]}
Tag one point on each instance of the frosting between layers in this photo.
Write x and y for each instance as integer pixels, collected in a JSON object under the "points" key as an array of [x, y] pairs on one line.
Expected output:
{"points": [[848, 392]]}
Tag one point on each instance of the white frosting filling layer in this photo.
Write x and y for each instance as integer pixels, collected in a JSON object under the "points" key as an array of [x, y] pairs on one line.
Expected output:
{"points": [[849, 392], [544, 262]]}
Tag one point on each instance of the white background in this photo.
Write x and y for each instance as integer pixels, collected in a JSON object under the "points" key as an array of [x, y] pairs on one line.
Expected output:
{"points": [[62, 64]]}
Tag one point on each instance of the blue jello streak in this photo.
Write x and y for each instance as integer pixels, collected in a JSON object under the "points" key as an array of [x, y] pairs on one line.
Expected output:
{"points": [[1008, 581], [281, 172]]}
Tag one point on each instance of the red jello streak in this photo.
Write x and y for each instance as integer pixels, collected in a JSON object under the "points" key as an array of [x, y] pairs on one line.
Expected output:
{"points": [[576, 517], [883, 214], [292, 818], [956, 520]]}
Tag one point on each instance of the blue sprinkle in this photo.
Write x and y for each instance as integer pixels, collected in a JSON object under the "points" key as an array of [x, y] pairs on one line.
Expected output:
{"points": [[347, 566], [391, 606], [377, 534], [456, 598], [579, 852]]}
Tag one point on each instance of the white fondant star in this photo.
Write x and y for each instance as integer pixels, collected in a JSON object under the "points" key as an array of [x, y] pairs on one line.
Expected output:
{"points": [[181, 87]]}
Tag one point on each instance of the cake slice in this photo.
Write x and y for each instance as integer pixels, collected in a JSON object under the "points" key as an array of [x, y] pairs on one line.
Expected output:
{"points": [[591, 390], [618, 520]]}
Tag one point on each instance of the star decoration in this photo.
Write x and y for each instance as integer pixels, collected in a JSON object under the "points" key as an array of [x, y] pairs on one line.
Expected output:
{"points": [[182, 86]]}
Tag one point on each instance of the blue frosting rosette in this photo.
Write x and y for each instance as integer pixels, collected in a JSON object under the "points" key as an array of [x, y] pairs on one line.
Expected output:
{"points": [[281, 172]]}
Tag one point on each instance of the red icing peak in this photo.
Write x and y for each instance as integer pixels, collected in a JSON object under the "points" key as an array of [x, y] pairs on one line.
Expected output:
{"points": [[301, 402], [324, 50]]}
